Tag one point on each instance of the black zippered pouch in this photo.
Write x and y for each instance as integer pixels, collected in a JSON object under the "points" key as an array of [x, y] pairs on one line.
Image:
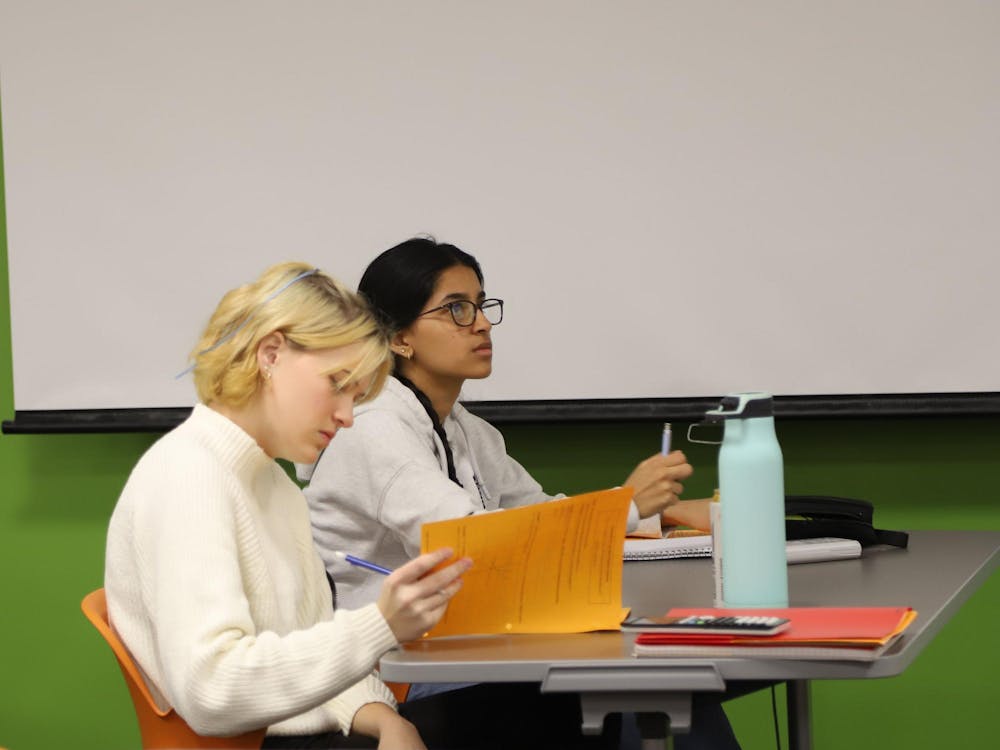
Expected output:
{"points": [[811, 516]]}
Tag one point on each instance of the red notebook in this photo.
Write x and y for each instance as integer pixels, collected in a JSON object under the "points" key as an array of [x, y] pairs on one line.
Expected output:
{"points": [[809, 626]]}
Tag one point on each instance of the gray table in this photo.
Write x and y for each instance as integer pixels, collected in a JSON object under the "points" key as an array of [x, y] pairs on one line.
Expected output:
{"points": [[937, 573]]}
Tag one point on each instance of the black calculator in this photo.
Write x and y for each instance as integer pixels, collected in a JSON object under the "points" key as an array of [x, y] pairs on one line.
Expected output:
{"points": [[710, 624]]}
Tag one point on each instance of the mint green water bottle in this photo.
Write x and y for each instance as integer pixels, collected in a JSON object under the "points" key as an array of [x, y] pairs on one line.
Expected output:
{"points": [[752, 496]]}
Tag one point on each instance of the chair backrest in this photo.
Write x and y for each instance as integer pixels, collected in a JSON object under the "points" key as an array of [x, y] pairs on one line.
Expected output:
{"points": [[159, 729]]}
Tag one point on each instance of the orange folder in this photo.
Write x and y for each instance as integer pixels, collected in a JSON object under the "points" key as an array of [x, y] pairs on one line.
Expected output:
{"points": [[857, 627], [554, 567]]}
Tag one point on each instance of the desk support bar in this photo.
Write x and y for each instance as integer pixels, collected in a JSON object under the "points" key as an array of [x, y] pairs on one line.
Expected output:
{"points": [[581, 678], [646, 689], [799, 724], [658, 713]]}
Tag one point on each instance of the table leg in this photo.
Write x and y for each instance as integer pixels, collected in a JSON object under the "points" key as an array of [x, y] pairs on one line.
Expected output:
{"points": [[638, 689], [799, 721], [658, 714], [654, 731]]}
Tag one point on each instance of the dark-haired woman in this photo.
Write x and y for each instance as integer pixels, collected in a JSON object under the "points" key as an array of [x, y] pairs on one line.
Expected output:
{"points": [[416, 455]]}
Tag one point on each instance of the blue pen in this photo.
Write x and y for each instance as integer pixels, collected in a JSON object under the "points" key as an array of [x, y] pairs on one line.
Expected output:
{"points": [[362, 563], [665, 444]]}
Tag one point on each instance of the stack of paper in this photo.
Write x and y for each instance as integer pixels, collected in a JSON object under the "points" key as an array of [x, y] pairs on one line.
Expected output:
{"points": [[852, 633]]}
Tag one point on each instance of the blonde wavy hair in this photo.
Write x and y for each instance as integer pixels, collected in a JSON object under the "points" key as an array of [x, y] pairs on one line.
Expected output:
{"points": [[311, 309]]}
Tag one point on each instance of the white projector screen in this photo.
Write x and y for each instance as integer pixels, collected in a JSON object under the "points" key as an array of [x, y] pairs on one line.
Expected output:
{"points": [[675, 199]]}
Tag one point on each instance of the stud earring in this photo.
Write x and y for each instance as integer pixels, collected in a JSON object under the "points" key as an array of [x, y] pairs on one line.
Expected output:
{"points": [[267, 372]]}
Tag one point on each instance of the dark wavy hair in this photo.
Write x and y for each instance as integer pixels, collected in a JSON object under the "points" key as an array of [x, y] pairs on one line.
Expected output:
{"points": [[398, 283]]}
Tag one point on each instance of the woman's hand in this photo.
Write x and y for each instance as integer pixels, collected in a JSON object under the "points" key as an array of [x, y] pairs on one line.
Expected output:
{"points": [[401, 735], [413, 600], [392, 730], [694, 513], [657, 482]]}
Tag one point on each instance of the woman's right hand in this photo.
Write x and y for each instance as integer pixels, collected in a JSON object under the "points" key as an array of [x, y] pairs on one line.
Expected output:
{"points": [[413, 599], [657, 482]]}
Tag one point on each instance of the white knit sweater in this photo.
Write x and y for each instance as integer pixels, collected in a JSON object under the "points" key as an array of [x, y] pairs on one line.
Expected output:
{"points": [[215, 586]]}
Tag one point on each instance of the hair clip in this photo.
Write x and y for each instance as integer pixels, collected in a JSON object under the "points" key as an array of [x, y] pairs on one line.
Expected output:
{"points": [[246, 320]]}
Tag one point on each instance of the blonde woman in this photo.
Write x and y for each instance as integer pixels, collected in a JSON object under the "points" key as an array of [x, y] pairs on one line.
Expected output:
{"points": [[211, 576]]}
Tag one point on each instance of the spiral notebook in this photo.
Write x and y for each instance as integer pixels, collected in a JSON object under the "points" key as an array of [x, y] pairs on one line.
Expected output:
{"points": [[668, 547], [797, 550]]}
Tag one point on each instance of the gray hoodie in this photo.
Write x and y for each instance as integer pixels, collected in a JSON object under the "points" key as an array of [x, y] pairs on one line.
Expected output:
{"points": [[381, 479]]}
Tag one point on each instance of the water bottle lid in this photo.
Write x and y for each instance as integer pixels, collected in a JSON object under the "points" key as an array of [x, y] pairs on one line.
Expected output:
{"points": [[742, 406]]}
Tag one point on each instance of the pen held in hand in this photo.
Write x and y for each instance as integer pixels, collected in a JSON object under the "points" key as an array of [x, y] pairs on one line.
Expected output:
{"points": [[361, 563], [665, 443]]}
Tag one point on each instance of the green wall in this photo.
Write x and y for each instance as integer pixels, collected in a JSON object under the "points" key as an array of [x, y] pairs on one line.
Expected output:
{"points": [[60, 687]]}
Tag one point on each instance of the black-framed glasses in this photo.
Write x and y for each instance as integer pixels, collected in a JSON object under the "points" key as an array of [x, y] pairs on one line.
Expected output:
{"points": [[463, 311]]}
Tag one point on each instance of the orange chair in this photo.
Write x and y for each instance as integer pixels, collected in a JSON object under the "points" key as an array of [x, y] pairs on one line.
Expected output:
{"points": [[399, 689], [160, 730]]}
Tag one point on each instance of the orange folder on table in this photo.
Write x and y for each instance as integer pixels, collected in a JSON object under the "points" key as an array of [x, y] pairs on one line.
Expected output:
{"points": [[810, 626], [826, 633], [856, 627], [554, 567]]}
